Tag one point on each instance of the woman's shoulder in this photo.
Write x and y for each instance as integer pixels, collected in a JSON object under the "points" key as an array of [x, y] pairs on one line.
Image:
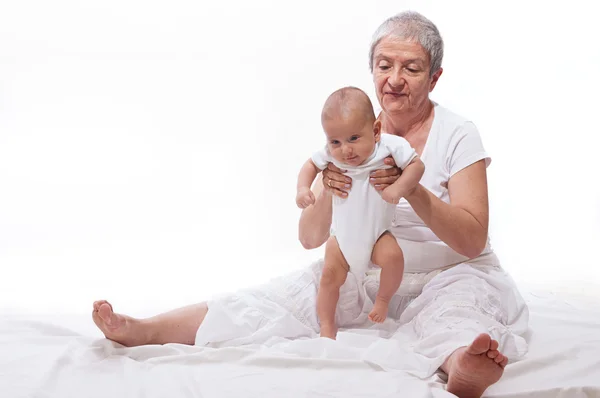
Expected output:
{"points": [[451, 120], [459, 140], [453, 128]]}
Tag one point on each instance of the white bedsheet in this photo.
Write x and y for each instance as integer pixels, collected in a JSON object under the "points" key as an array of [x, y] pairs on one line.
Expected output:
{"points": [[65, 357]]}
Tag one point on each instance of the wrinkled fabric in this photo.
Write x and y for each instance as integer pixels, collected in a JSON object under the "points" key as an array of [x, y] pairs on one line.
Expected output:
{"points": [[432, 314]]}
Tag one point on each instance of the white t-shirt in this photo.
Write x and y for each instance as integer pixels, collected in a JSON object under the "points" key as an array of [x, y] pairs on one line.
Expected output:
{"points": [[453, 144]]}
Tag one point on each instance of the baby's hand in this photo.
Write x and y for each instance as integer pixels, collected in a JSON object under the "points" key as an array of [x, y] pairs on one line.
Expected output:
{"points": [[392, 195], [305, 198]]}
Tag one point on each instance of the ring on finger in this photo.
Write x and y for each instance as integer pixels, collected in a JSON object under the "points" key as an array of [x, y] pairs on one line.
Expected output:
{"points": [[329, 183]]}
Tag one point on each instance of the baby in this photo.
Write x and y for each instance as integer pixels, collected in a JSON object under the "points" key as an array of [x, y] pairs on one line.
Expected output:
{"points": [[361, 221]]}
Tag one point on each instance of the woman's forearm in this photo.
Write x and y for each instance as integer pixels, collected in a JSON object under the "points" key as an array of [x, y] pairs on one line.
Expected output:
{"points": [[455, 226], [315, 221]]}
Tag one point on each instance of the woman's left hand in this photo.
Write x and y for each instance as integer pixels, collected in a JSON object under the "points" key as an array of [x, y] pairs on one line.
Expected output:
{"points": [[383, 178]]}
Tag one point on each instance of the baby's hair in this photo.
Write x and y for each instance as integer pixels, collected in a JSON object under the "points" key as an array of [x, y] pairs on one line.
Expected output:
{"points": [[348, 101]]}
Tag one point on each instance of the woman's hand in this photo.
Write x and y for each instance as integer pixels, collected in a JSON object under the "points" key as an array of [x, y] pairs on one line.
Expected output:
{"points": [[383, 178], [335, 182]]}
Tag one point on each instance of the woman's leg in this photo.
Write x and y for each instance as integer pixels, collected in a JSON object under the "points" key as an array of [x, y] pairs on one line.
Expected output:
{"points": [[283, 307], [472, 369], [177, 326], [468, 322]]}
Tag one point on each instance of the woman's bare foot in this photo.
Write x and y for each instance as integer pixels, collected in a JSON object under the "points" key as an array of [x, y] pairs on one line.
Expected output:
{"points": [[122, 329], [379, 311], [329, 331], [471, 370]]}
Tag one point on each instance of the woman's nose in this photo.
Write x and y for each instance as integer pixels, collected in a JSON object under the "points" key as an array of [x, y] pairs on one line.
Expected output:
{"points": [[396, 80]]}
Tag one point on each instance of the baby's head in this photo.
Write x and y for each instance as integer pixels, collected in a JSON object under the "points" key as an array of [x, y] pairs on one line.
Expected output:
{"points": [[350, 125]]}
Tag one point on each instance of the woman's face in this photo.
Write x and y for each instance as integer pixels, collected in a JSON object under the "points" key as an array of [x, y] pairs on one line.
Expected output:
{"points": [[401, 75]]}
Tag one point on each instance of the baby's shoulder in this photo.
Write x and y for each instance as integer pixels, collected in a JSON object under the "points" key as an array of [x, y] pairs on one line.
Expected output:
{"points": [[391, 140], [321, 157], [390, 144]]}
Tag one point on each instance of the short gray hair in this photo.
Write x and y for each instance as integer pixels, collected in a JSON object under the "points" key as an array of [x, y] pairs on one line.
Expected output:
{"points": [[412, 26]]}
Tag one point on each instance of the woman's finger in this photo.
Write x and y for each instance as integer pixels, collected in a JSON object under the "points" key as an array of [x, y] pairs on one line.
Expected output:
{"points": [[335, 176], [381, 187], [389, 161], [383, 180], [335, 169], [394, 171], [336, 182], [339, 185], [340, 193]]}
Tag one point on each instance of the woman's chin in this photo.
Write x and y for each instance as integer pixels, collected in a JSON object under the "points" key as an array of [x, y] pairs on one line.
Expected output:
{"points": [[392, 104], [394, 107]]}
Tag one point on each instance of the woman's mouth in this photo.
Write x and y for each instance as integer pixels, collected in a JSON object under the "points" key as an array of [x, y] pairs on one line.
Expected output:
{"points": [[393, 94]]}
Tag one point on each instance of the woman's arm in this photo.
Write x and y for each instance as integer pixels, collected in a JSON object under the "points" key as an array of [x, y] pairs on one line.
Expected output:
{"points": [[462, 224]]}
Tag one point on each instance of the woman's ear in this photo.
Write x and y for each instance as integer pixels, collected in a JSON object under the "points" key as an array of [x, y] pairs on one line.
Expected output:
{"points": [[435, 78], [377, 130]]}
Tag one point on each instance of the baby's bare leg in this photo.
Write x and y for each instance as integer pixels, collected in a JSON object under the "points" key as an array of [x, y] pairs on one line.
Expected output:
{"points": [[388, 255], [334, 275]]}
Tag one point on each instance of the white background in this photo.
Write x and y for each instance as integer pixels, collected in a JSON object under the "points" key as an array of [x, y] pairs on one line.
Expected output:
{"points": [[149, 149]]}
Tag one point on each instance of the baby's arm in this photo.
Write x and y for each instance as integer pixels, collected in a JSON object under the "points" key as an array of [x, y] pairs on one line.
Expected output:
{"points": [[408, 180], [308, 173]]}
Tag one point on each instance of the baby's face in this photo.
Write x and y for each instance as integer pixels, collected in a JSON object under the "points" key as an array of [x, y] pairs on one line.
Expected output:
{"points": [[351, 140]]}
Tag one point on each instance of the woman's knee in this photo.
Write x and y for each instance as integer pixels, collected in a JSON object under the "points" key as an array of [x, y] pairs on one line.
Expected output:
{"points": [[461, 296]]}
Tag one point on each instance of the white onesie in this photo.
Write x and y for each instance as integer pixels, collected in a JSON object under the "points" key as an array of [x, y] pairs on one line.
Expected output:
{"points": [[362, 217]]}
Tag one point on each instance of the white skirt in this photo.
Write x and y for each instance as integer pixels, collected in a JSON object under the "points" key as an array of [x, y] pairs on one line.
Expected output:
{"points": [[431, 315]]}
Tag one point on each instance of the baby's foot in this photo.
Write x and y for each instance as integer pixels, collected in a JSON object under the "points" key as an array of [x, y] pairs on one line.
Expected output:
{"points": [[471, 370], [329, 331], [122, 329], [379, 311]]}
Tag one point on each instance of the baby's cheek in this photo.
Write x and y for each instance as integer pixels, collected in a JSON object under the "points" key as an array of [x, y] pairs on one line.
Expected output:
{"points": [[336, 153], [367, 150]]}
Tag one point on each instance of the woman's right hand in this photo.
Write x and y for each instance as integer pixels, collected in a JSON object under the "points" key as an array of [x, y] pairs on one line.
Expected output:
{"points": [[335, 182]]}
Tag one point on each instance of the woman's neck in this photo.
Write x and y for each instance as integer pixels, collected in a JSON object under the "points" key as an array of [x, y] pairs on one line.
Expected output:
{"points": [[411, 124]]}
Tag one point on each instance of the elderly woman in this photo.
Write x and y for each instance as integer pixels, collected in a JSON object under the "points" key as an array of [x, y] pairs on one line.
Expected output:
{"points": [[458, 309]]}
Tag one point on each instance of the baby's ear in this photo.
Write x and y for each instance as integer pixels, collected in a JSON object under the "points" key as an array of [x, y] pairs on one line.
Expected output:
{"points": [[377, 130]]}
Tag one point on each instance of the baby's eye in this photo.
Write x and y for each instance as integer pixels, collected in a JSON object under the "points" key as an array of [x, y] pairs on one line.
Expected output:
{"points": [[334, 142], [353, 138]]}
